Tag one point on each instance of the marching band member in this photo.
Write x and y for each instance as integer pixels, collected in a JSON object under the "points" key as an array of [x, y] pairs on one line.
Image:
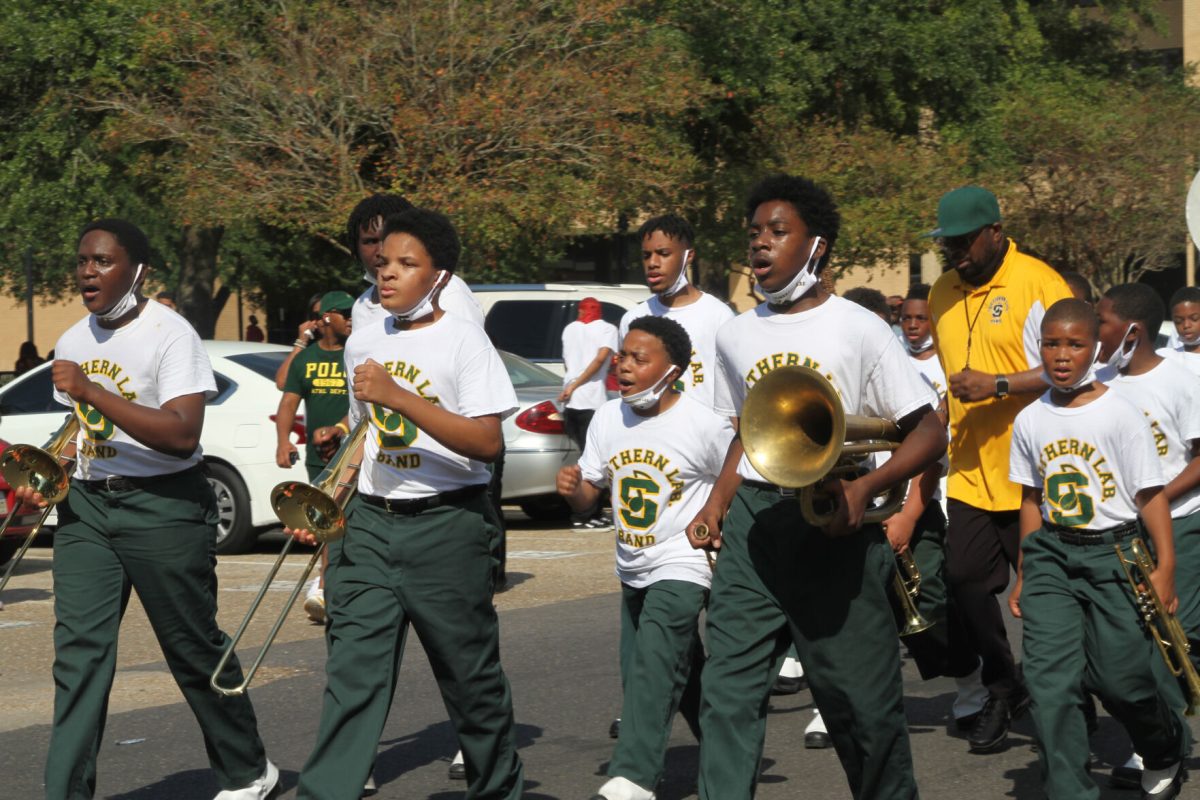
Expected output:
{"points": [[1185, 344], [1085, 459], [777, 573], [659, 452], [140, 517]]}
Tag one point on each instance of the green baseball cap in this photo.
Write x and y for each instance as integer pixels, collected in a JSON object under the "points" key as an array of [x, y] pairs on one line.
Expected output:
{"points": [[966, 209], [335, 301]]}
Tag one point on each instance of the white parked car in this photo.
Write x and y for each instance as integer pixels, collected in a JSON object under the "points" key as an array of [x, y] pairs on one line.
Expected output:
{"points": [[238, 438], [528, 318]]}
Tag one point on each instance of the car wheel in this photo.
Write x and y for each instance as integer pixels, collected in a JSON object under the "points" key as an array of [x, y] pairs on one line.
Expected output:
{"points": [[234, 532], [547, 508]]}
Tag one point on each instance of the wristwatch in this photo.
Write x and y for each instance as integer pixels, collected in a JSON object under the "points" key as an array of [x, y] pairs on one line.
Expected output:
{"points": [[1001, 386]]}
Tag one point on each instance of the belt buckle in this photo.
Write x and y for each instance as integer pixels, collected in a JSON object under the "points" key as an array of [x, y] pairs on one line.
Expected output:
{"points": [[786, 491], [110, 480]]}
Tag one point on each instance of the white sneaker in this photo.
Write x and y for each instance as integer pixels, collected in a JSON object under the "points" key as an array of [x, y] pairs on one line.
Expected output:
{"points": [[1155, 781], [791, 668], [369, 788], [971, 697], [314, 601], [623, 789], [259, 790]]}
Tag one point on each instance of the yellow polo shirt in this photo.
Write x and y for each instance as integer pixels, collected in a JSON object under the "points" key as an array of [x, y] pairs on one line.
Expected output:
{"points": [[1001, 320]]}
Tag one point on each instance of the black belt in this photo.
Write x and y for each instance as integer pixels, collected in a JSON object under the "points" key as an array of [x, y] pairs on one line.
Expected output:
{"points": [[123, 483], [1107, 536], [782, 491], [418, 504]]}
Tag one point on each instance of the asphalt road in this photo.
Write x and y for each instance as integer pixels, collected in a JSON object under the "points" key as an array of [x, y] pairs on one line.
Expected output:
{"points": [[559, 621]]}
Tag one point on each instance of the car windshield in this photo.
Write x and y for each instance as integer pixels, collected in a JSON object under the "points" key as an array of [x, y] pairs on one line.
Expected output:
{"points": [[523, 373], [265, 364], [33, 395]]}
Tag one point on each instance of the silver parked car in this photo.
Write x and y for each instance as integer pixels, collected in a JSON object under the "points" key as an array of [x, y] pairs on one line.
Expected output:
{"points": [[535, 443]]}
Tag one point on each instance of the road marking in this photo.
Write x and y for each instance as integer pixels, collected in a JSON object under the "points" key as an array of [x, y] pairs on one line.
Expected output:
{"points": [[547, 554], [265, 564], [15, 624], [276, 586]]}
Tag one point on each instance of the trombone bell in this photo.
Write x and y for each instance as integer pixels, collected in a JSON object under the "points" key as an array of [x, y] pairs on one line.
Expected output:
{"points": [[300, 506]]}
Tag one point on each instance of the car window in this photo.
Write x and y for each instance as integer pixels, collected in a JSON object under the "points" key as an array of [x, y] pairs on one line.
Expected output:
{"points": [[523, 373], [34, 395], [264, 364], [530, 328], [611, 313]]}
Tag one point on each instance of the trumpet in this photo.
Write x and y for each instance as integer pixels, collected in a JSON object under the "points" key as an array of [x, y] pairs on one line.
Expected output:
{"points": [[1164, 627], [318, 508], [45, 470], [906, 582], [796, 433]]}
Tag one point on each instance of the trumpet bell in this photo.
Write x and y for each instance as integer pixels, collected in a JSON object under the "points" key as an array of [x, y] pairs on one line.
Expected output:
{"points": [[24, 465], [792, 426], [300, 506]]}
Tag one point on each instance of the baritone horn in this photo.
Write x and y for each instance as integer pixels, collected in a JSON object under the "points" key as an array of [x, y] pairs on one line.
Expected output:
{"points": [[1163, 627], [796, 433], [318, 508], [46, 470]]}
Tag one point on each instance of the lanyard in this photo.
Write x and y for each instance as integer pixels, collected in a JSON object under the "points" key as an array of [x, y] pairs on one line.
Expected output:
{"points": [[971, 321]]}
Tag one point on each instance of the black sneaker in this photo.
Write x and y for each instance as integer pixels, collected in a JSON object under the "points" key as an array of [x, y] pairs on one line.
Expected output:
{"points": [[786, 685], [614, 730], [992, 726]]}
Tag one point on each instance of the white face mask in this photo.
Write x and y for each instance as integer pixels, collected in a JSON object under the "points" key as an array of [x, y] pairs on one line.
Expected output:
{"points": [[1084, 379], [127, 301], [1189, 341], [1121, 357], [681, 282], [921, 346], [424, 307], [805, 279], [646, 398]]}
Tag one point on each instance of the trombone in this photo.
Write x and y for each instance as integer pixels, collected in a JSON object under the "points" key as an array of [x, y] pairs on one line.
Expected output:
{"points": [[1164, 627], [46, 471], [318, 508], [796, 433], [906, 582]]}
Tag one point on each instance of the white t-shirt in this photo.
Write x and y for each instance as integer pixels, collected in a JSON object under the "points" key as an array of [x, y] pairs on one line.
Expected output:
{"points": [[455, 298], [451, 363], [1169, 396], [661, 470], [1189, 361], [931, 370], [1089, 462], [701, 320], [155, 358], [581, 342], [852, 347]]}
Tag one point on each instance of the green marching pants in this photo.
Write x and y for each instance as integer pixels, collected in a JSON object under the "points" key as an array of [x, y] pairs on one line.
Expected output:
{"points": [[1082, 629], [1187, 579], [433, 570], [775, 570], [661, 654], [160, 541]]}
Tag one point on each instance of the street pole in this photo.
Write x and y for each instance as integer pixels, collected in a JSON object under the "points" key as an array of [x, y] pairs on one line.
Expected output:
{"points": [[29, 294]]}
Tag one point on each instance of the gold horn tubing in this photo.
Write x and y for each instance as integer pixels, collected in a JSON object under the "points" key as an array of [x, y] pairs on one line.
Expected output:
{"points": [[910, 573], [318, 508], [43, 469], [796, 433], [914, 622], [1164, 627]]}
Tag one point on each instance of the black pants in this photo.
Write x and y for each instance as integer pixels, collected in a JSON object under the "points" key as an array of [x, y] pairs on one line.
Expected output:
{"points": [[981, 550], [576, 422]]}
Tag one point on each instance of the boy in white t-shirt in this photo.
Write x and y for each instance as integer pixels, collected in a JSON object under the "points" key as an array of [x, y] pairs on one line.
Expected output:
{"points": [[1185, 344], [1130, 316], [668, 251], [659, 452], [418, 547], [140, 516], [588, 345], [777, 573], [1086, 461]]}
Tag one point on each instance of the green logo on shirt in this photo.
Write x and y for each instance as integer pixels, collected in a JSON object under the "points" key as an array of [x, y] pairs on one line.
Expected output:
{"points": [[638, 510], [1070, 506], [394, 431], [95, 425]]}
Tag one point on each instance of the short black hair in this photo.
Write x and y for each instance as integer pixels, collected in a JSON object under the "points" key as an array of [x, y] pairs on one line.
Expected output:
{"points": [[870, 299], [129, 236], [435, 231], [1137, 302], [918, 291], [812, 202], [673, 225], [1079, 285], [379, 206], [165, 295], [1188, 294], [1071, 310], [674, 338]]}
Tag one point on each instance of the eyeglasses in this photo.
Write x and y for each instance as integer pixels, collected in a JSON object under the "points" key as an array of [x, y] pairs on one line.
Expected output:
{"points": [[961, 242], [345, 312]]}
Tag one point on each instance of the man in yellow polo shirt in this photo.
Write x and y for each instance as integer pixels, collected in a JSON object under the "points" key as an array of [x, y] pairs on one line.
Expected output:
{"points": [[986, 311]]}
